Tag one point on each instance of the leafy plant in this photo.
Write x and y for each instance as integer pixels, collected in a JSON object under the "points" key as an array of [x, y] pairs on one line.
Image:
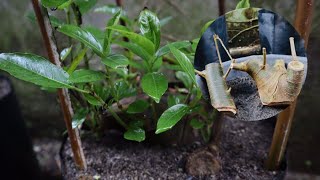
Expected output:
{"points": [[139, 70]]}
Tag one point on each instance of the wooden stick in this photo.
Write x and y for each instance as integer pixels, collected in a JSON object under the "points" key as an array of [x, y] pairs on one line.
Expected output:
{"points": [[303, 21], [222, 8], [48, 37], [264, 52]]}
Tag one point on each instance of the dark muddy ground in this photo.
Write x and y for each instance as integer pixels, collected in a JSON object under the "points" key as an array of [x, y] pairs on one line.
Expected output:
{"points": [[242, 155]]}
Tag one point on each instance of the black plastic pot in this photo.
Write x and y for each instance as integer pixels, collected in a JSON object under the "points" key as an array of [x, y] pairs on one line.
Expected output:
{"points": [[17, 156]]}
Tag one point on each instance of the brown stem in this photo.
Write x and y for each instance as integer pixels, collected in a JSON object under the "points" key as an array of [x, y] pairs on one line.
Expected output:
{"points": [[222, 8], [304, 11], [48, 37]]}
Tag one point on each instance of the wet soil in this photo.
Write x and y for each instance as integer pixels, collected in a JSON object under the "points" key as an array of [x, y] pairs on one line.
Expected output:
{"points": [[242, 155]]}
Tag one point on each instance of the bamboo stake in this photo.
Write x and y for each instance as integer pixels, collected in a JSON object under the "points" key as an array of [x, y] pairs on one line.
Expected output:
{"points": [[48, 37], [222, 8], [304, 11]]}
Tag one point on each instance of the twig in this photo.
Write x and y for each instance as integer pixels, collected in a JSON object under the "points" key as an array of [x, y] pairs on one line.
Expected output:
{"points": [[48, 37]]}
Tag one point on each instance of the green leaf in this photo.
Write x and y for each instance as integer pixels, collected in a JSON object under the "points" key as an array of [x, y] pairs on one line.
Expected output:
{"points": [[157, 64], [121, 90], [170, 117], [139, 51], [76, 61], [184, 62], [85, 75], [138, 39], [96, 32], [35, 69], [194, 44], [83, 36], [165, 21], [65, 5], [85, 5], [150, 27], [205, 27], [243, 4], [102, 91], [115, 61], [109, 9], [79, 117], [174, 99], [182, 76], [165, 49], [196, 124], [65, 52], [155, 85], [93, 100], [52, 3], [138, 106], [108, 34], [135, 134]]}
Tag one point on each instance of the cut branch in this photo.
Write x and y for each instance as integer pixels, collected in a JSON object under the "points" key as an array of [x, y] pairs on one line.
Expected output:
{"points": [[48, 37]]}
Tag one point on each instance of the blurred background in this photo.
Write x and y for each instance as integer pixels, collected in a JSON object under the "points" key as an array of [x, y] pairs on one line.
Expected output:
{"points": [[40, 108]]}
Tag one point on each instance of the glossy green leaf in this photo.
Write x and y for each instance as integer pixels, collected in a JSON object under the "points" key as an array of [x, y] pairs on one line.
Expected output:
{"points": [[135, 134], [157, 64], [65, 53], [96, 32], [115, 61], [85, 5], [79, 117], [139, 51], [182, 76], [102, 91], [165, 21], [184, 62], [178, 45], [155, 85], [35, 69], [85, 75], [243, 4], [138, 106], [109, 9], [150, 27], [138, 39], [52, 3], [170, 117], [121, 90], [196, 124], [93, 100], [83, 36], [108, 33]]}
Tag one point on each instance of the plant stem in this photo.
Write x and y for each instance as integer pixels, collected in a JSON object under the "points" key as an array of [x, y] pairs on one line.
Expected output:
{"points": [[304, 11], [48, 37], [221, 7], [118, 119]]}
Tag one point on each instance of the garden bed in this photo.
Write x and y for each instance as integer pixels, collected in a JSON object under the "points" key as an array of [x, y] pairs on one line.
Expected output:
{"points": [[242, 155]]}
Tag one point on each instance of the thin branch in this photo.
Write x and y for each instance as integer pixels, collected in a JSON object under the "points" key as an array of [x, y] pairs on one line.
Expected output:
{"points": [[48, 37]]}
